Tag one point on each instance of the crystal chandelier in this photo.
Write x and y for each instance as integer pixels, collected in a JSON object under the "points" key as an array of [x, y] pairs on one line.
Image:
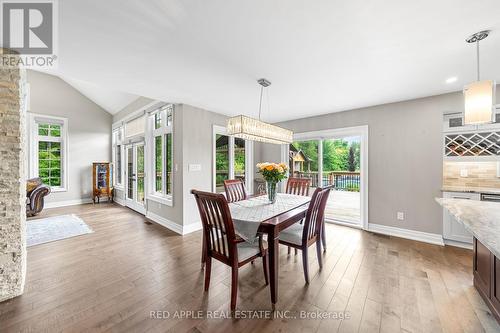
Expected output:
{"points": [[479, 96], [256, 130]]}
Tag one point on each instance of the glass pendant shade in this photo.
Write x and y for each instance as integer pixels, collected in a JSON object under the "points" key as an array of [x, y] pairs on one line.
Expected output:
{"points": [[256, 130], [479, 98]]}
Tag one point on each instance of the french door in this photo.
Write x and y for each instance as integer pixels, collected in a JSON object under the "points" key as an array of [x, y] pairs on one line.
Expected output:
{"points": [[134, 176]]}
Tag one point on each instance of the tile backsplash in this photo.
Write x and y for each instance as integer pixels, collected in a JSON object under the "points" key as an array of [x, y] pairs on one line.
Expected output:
{"points": [[471, 174]]}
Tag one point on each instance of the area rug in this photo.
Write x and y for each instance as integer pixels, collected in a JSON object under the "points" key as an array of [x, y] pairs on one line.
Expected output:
{"points": [[55, 228]]}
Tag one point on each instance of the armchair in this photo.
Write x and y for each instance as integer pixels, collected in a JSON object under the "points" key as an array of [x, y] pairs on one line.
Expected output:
{"points": [[35, 193]]}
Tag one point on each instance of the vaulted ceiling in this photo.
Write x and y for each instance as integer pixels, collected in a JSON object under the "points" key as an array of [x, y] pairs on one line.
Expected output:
{"points": [[321, 56]]}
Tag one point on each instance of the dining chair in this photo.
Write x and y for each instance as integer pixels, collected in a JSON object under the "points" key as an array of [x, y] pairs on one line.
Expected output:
{"points": [[235, 190], [297, 186], [301, 236], [221, 242]]}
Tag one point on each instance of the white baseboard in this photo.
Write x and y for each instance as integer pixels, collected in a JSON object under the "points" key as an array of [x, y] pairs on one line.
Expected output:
{"points": [[458, 244], [119, 201], [177, 228], [407, 233], [67, 203], [192, 227]]}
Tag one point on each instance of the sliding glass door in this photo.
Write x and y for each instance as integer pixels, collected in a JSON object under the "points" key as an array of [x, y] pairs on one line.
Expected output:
{"points": [[333, 158]]}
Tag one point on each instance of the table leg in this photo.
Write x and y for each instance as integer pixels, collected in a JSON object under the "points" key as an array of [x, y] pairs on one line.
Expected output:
{"points": [[273, 266]]}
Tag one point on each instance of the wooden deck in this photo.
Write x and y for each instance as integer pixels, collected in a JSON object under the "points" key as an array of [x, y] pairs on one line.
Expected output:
{"points": [[111, 280], [344, 206]]}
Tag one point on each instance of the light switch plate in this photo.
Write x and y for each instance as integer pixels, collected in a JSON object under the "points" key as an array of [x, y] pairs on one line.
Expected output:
{"points": [[400, 216], [194, 167]]}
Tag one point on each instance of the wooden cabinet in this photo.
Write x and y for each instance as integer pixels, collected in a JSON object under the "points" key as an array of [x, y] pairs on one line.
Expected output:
{"points": [[452, 229], [102, 181], [487, 277]]}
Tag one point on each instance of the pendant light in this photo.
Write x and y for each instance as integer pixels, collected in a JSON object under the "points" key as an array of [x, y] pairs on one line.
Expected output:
{"points": [[479, 96], [256, 130]]}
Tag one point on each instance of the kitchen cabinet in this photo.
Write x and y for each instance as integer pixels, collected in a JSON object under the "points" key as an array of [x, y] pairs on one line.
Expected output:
{"points": [[452, 229], [487, 277]]}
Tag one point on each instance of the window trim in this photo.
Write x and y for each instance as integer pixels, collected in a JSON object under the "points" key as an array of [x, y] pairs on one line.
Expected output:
{"points": [[33, 139], [151, 134], [249, 154], [114, 145]]}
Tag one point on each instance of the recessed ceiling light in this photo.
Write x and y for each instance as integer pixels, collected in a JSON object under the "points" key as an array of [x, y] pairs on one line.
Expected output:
{"points": [[451, 79]]}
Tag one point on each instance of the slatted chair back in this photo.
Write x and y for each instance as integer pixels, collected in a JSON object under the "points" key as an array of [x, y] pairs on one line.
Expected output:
{"points": [[298, 186], [235, 190], [218, 228], [315, 214]]}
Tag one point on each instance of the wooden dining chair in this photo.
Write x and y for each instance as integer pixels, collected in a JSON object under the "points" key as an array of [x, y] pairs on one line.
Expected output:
{"points": [[235, 190], [221, 242], [297, 186], [301, 236]]}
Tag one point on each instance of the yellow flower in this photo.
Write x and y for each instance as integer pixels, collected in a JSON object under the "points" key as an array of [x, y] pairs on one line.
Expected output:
{"points": [[270, 167], [280, 169]]}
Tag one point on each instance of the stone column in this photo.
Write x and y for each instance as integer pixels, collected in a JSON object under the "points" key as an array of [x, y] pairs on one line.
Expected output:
{"points": [[12, 178]]}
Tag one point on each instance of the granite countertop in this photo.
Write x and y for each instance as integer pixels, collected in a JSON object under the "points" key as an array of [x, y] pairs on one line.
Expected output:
{"points": [[481, 218], [468, 189]]}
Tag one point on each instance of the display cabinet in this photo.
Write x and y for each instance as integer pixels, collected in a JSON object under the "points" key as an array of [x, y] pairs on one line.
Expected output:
{"points": [[102, 181]]}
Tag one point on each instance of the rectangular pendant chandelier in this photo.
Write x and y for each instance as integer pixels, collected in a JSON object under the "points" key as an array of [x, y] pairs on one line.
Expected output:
{"points": [[252, 129], [479, 98]]}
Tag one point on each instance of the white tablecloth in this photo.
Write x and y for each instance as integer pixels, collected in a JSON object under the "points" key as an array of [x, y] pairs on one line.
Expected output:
{"points": [[247, 214]]}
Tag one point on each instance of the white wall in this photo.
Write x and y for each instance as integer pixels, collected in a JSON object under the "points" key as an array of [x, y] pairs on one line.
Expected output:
{"points": [[89, 132]]}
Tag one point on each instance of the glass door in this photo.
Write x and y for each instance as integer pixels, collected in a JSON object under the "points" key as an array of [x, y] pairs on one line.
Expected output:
{"points": [[341, 159], [332, 161], [135, 177]]}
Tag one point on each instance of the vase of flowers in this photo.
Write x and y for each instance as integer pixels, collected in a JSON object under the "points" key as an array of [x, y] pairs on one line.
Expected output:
{"points": [[272, 173]]}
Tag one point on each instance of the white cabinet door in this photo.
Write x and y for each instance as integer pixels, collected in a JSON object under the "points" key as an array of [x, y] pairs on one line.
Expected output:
{"points": [[452, 229]]}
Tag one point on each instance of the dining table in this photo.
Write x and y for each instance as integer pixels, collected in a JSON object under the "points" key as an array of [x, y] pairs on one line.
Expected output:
{"points": [[258, 215]]}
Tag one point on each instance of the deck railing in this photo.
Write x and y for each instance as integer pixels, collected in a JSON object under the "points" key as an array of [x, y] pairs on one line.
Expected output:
{"points": [[341, 180]]}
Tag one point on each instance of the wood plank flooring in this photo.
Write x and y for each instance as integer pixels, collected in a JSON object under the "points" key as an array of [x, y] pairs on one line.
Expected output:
{"points": [[111, 280]]}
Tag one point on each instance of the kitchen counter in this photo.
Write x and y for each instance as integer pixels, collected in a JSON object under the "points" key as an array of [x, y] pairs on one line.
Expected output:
{"points": [[481, 218], [486, 190]]}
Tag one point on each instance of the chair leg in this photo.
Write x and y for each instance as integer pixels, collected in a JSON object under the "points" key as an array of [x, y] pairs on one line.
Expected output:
{"points": [[234, 287], [289, 249], [305, 264], [318, 252], [296, 251], [208, 270], [203, 252], [265, 262], [323, 236]]}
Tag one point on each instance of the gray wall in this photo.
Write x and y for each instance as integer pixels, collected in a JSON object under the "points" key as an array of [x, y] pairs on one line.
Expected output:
{"points": [[405, 157], [89, 132], [197, 148]]}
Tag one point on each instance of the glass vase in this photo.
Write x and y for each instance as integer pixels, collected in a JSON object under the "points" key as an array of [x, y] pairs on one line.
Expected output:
{"points": [[271, 191]]}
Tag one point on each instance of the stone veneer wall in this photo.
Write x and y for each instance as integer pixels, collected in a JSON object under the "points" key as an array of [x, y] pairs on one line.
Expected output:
{"points": [[12, 181], [479, 174]]}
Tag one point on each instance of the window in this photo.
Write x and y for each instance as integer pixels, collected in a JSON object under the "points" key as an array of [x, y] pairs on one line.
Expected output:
{"points": [[117, 148], [232, 160], [48, 150], [160, 136]]}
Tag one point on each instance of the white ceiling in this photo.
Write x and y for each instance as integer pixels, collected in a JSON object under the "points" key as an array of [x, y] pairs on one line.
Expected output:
{"points": [[109, 99], [321, 56]]}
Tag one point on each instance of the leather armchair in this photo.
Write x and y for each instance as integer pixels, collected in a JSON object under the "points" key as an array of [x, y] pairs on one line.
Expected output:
{"points": [[35, 193]]}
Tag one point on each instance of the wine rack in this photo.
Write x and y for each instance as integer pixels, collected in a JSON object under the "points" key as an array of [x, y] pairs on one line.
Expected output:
{"points": [[472, 144]]}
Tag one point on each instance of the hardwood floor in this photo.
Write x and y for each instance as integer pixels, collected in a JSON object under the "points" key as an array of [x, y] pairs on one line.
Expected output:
{"points": [[111, 280]]}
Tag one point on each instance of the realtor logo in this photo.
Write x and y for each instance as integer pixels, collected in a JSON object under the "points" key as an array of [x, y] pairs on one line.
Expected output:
{"points": [[28, 27]]}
